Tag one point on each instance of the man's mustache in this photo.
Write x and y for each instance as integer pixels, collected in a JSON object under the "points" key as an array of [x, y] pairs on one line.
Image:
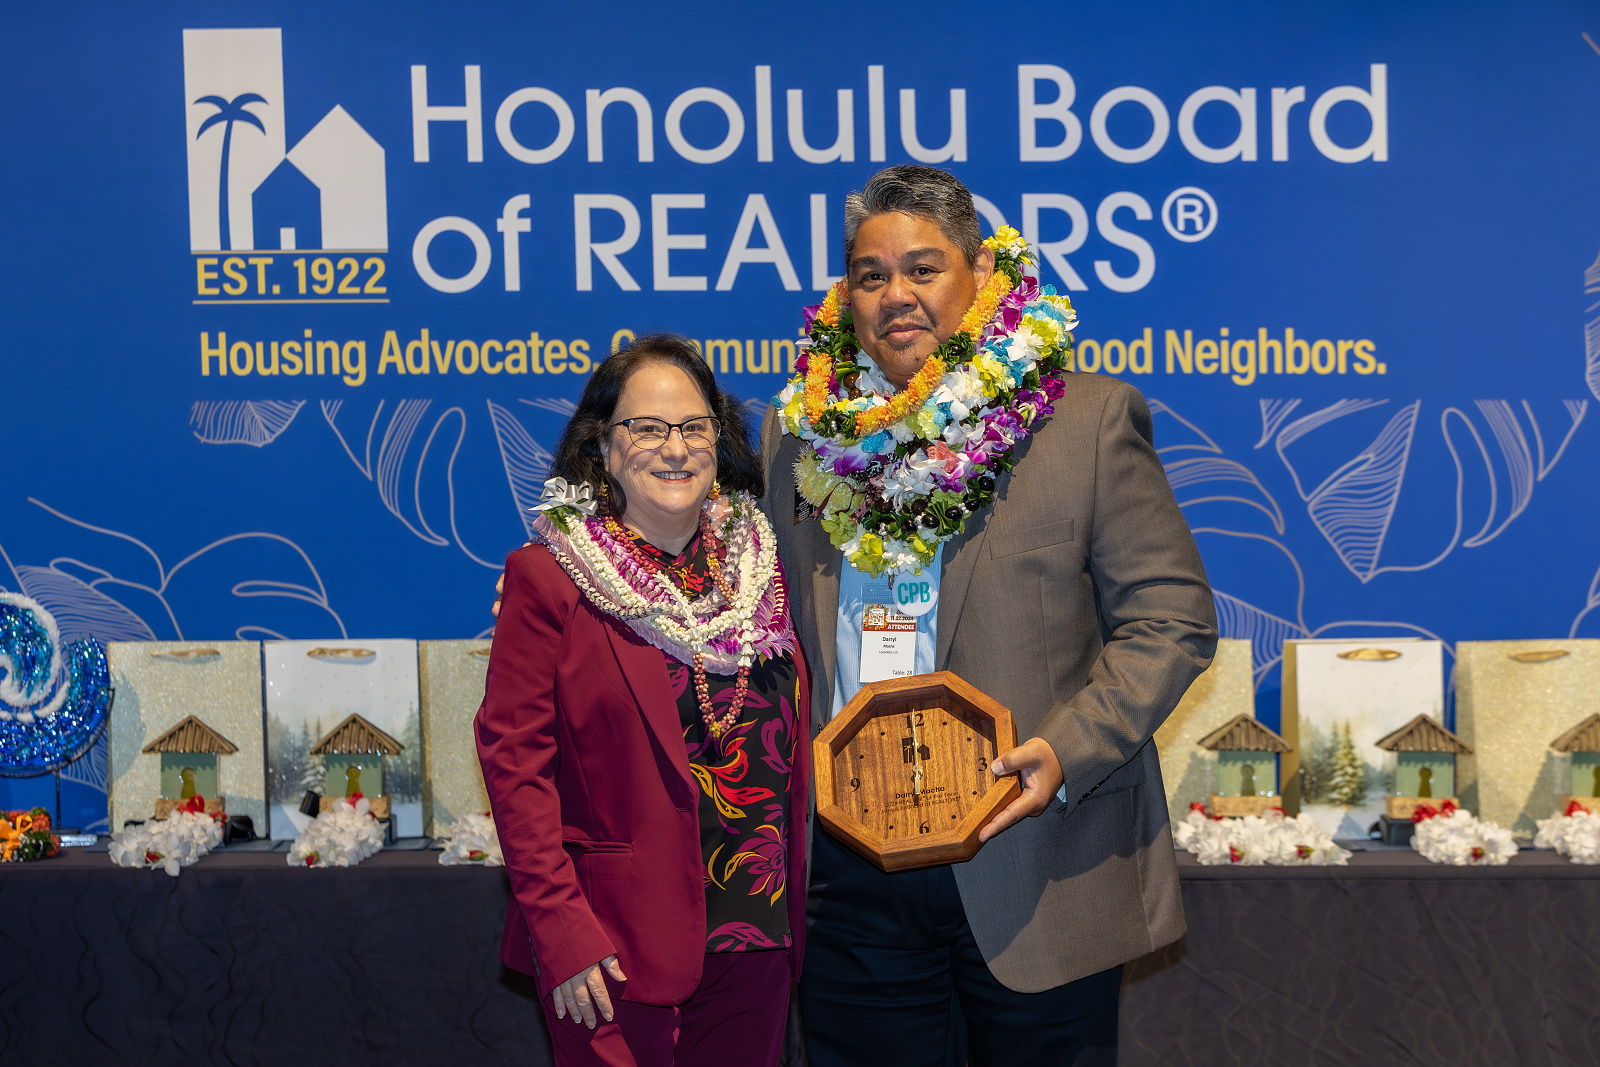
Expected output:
{"points": [[891, 322]]}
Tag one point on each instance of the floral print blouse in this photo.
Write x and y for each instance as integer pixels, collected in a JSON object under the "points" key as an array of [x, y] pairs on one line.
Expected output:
{"points": [[744, 781]]}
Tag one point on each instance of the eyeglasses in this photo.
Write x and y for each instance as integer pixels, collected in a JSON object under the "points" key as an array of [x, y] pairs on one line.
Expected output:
{"points": [[650, 433]]}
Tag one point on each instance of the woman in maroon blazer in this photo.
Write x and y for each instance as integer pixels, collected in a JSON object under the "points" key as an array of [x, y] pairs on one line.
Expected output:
{"points": [[641, 732]]}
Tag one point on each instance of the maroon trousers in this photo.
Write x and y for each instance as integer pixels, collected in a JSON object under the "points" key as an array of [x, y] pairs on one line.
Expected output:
{"points": [[737, 1015]]}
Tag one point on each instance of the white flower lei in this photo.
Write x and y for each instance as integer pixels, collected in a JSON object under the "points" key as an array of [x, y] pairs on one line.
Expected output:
{"points": [[473, 840], [168, 844], [1461, 839], [1258, 840], [342, 837], [727, 635], [1575, 836]]}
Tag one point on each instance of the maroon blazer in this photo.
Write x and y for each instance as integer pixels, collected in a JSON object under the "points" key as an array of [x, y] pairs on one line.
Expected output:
{"points": [[598, 815]]}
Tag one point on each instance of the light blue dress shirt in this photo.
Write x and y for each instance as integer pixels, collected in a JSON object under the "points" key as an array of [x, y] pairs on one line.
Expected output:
{"points": [[856, 591]]}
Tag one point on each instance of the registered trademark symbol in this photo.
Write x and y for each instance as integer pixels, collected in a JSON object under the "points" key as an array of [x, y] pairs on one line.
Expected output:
{"points": [[1189, 214]]}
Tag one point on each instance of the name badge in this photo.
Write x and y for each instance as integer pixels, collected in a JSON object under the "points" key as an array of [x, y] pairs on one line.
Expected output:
{"points": [[888, 644]]}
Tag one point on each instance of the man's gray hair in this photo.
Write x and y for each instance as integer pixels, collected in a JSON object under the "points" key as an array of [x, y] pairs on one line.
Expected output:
{"points": [[925, 192]]}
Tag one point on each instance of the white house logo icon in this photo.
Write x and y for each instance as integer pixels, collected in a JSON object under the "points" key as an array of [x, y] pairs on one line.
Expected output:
{"points": [[246, 190]]}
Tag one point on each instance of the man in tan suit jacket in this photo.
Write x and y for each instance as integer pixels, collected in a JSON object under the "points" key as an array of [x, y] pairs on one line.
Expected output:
{"points": [[1078, 600]]}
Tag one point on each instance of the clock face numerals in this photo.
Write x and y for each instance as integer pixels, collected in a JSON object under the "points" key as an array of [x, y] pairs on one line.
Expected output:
{"points": [[915, 768]]}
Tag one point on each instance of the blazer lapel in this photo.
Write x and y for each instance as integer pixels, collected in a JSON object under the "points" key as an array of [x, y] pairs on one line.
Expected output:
{"points": [[824, 575], [645, 669], [960, 560], [811, 565]]}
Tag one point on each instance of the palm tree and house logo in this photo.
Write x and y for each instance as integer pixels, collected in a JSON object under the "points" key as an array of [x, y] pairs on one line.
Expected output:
{"points": [[228, 114], [250, 187]]}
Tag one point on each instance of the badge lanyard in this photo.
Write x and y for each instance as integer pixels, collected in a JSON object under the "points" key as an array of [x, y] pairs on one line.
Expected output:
{"points": [[894, 609]]}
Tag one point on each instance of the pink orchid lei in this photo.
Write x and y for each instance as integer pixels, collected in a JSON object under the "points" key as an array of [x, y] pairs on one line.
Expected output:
{"points": [[889, 499], [727, 635]]}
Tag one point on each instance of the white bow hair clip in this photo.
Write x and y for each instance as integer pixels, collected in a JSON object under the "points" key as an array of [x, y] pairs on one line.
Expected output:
{"points": [[558, 493]]}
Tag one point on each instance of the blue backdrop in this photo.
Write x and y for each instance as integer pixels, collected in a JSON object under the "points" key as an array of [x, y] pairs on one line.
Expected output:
{"points": [[297, 300]]}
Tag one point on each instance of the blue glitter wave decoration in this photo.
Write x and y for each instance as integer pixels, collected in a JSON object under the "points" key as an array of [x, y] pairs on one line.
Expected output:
{"points": [[54, 701]]}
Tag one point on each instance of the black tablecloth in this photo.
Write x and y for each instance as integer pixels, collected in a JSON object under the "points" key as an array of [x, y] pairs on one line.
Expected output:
{"points": [[243, 959], [1391, 960]]}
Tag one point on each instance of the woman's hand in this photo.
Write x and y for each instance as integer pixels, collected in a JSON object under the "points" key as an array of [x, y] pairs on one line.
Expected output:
{"points": [[585, 991]]}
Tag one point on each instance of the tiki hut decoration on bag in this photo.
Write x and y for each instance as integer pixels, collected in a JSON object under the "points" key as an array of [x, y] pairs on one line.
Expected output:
{"points": [[1582, 744], [1248, 755], [1424, 766], [353, 753], [189, 753]]}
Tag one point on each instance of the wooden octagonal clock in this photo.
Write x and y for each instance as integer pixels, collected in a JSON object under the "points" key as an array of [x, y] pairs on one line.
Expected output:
{"points": [[903, 772]]}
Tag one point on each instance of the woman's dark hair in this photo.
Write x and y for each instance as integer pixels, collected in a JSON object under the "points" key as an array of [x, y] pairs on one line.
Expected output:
{"points": [[578, 457]]}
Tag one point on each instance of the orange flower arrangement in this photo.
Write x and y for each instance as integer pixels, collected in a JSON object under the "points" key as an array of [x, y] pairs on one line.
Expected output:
{"points": [[828, 314], [819, 368], [26, 835], [819, 372], [985, 304], [907, 400]]}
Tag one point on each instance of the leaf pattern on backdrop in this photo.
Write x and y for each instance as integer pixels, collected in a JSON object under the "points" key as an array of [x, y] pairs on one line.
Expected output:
{"points": [[109, 584], [1497, 452], [410, 453], [1591, 328], [526, 461], [242, 422]]}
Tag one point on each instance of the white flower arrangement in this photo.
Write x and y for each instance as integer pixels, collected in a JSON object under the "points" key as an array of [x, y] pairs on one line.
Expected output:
{"points": [[341, 837], [1459, 838], [1575, 834], [1258, 840], [169, 844], [473, 840]]}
